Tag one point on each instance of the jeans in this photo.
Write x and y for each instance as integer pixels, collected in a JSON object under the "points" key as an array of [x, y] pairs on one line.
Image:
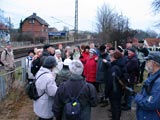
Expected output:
{"points": [[129, 98]]}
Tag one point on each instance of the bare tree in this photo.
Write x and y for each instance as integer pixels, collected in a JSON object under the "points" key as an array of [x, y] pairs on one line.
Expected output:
{"points": [[105, 21], [152, 33], [156, 6], [111, 25], [3, 19]]}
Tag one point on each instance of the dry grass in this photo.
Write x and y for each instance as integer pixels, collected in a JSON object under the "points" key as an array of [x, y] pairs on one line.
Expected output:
{"points": [[17, 106]]}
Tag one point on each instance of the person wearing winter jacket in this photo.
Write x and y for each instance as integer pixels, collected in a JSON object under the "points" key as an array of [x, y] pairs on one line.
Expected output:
{"points": [[113, 87], [132, 71], [76, 53], [29, 59], [103, 65], [70, 89], [85, 55], [46, 88], [59, 61], [7, 58], [148, 100], [90, 68], [64, 74]]}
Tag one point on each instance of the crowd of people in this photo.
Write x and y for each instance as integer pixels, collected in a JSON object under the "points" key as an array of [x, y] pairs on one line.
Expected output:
{"points": [[106, 75]]}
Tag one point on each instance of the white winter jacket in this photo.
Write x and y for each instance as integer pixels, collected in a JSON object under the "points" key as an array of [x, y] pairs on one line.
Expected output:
{"points": [[28, 67], [45, 84]]}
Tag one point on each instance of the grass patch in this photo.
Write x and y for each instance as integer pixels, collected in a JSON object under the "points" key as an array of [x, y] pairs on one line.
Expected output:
{"points": [[138, 89]]}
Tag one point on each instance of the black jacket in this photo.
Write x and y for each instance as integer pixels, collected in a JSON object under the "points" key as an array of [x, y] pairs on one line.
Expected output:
{"points": [[132, 68], [113, 87], [102, 68], [87, 98]]}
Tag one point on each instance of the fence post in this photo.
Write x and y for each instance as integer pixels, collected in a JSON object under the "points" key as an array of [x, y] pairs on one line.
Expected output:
{"points": [[23, 63], [2, 88]]}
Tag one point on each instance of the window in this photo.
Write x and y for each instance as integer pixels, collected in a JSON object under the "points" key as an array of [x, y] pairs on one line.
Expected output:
{"points": [[31, 21]]}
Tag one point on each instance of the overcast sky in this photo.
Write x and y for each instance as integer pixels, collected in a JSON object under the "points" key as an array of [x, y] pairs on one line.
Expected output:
{"points": [[60, 13]]}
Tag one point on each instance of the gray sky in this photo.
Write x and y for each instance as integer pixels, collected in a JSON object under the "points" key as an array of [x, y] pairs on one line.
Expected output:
{"points": [[139, 12]]}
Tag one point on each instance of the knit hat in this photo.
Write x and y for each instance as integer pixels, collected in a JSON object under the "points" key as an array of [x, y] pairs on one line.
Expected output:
{"points": [[49, 62], [93, 51], [132, 49], [155, 56], [67, 62], [57, 51], [67, 47], [76, 67]]}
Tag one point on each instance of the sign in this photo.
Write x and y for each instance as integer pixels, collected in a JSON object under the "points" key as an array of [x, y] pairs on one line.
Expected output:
{"points": [[57, 34]]}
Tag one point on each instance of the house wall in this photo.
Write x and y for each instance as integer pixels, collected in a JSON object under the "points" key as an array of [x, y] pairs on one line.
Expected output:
{"points": [[37, 29], [151, 48], [154, 48]]}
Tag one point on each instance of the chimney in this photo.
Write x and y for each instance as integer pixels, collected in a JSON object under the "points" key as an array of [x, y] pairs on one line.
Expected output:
{"points": [[34, 14]]}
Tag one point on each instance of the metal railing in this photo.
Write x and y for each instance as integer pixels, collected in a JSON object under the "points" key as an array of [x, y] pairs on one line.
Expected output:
{"points": [[19, 80]]}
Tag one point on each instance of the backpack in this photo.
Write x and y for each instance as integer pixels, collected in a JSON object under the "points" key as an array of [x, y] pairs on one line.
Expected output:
{"points": [[31, 89], [1, 63], [72, 108], [36, 64]]}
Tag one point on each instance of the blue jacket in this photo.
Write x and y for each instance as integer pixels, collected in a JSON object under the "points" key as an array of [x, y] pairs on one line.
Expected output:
{"points": [[147, 104]]}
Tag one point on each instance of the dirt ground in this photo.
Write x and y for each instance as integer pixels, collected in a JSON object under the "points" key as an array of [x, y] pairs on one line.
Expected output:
{"points": [[22, 109], [17, 106]]}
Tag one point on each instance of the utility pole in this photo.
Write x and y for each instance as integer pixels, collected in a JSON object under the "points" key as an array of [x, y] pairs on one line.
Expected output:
{"points": [[9, 24], [76, 21]]}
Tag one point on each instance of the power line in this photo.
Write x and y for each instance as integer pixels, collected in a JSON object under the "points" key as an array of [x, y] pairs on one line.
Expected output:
{"points": [[62, 21]]}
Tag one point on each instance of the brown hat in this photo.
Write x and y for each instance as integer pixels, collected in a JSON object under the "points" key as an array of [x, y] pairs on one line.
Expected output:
{"points": [[116, 54]]}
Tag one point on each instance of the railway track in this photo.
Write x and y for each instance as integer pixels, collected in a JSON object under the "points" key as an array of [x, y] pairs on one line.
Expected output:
{"points": [[20, 52]]}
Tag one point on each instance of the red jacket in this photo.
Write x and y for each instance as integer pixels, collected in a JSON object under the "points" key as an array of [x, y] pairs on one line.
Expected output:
{"points": [[84, 57], [90, 69]]}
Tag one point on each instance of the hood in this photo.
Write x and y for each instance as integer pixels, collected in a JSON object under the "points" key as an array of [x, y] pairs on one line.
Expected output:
{"points": [[76, 77]]}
